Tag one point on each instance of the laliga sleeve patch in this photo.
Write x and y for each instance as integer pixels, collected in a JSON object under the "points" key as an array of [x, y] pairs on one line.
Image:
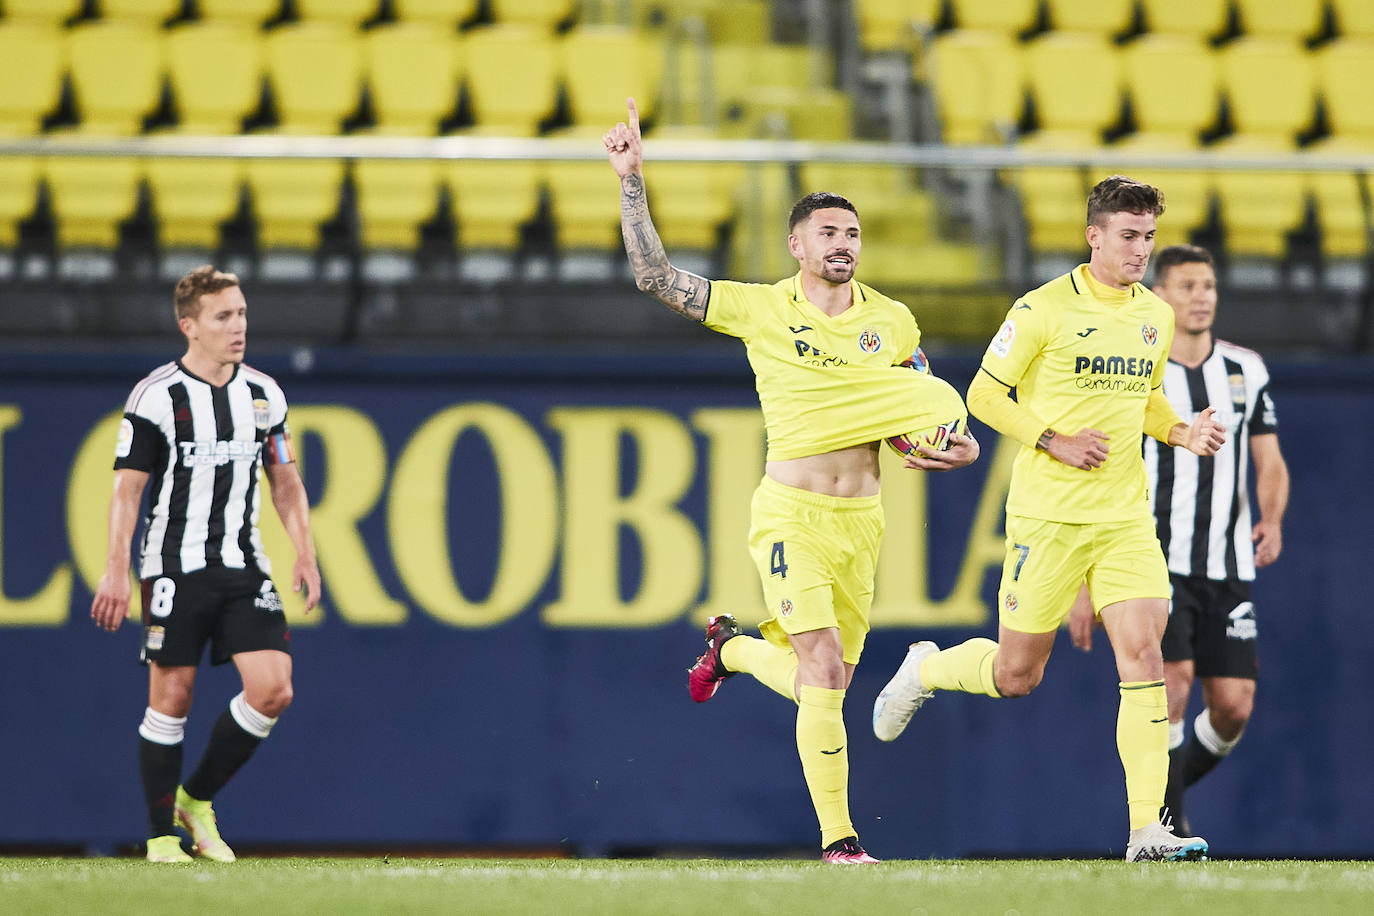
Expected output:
{"points": [[1001, 344], [125, 442]]}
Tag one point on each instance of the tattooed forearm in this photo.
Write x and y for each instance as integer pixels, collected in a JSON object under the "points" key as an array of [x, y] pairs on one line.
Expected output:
{"points": [[680, 290]]}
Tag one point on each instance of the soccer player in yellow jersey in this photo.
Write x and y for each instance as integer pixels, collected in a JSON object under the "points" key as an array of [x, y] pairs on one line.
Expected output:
{"points": [[1085, 354], [827, 354]]}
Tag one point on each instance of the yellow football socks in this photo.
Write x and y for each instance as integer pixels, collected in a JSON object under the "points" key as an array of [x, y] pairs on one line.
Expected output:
{"points": [[966, 667], [822, 746], [1142, 740], [773, 666]]}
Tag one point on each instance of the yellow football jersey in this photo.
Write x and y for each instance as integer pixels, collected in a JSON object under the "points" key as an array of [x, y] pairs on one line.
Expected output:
{"points": [[827, 383], [1078, 363]]}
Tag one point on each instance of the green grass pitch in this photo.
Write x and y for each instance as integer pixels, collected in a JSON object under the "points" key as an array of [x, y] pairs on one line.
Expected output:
{"points": [[271, 886]]}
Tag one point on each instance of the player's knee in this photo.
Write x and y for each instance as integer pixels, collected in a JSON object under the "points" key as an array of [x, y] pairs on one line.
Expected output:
{"points": [[1230, 716], [1016, 683], [273, 699]]}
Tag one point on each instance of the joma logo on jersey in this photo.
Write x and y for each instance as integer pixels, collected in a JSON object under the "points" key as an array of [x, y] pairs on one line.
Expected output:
{"points": [[214, 452], [1113, 365]]}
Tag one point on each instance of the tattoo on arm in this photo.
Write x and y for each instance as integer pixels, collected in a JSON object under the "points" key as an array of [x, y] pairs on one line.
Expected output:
{"points": [[682, 291], [1043, 443]]}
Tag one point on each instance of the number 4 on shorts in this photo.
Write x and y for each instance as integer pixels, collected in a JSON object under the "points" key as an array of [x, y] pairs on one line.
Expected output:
{"points": [[778, 560]]}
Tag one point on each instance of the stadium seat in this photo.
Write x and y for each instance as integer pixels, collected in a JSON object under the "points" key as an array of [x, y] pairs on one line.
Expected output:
{"points": [[395, 197], [1010, 16], [240, 12], [1187, 198], [895, 25], [493, 200], [1172, 81], [413, 71], [18, 195], [893, 265], [692, 201], [1199, 18], [90, 197], [890, 205], [444, 13], [978, 86], [1053, 200], [749, 21], [1270, 85], [143, 12], [1354, 18], [348, 13], [31, 67], [1099, 17], [585, 205], [214, 100], [1065, 101], [1292, 19], [544, 15], [511, 74], [1340, 214], [292, 197], [192, 198], [116, 71], [316, 74], [49, 12], [1259, 210], [1345, 73], [601, 66], [758, 246]]}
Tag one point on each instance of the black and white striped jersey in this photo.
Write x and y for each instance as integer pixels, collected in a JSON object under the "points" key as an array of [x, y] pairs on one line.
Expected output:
{"points": [[1202, 505], [203, 445]]}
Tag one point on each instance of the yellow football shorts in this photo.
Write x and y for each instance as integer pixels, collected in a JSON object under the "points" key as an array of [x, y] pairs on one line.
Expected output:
{"points": [[816, 556], [1047, 562]]}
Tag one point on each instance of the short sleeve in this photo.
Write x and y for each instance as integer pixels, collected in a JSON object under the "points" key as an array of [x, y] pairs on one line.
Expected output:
{"points": [[727, 308], [140, 445], [1263, 418], [1020, 338]]}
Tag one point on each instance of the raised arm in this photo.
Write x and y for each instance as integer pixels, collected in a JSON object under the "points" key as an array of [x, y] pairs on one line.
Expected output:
{"points": [[682, 291]]}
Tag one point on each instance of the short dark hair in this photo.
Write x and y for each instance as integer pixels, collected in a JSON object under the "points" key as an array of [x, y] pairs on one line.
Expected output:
{"points": [[200, 281], [1175, 255], [819, 200], [1119, 194]]}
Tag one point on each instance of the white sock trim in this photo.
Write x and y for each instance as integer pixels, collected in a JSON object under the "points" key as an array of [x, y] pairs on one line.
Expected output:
{"points": [[1207, 736], [1175, 735], [163, 729], [248, 718]]}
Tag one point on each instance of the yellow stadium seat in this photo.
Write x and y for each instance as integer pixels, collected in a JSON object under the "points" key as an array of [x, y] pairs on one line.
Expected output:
{"points": [[602, 66], [316, 74], [544, 15], [511, 73], [978, 83], [445, 13], [692, 201], [1270, 85], [116, 71], [895, 25], [51, 12], [214, 100], [1187, 198], [758, 246], [1200, 18], [1354, 18], [1101, 17], [1345, 73], [890, 204], [1172, 80], [584, 202], [192, 197], [1340, 213], [1259, 210], [748, 21], [896, 265], [1054, 200], [350, 13], [493, 200], [1064, 100], [19, 177], [241, 12], [1294, 19], [292, 197], [91, 196], [31, 67], [394, 198], [145, 12], [1011, 16], [413, 73]]}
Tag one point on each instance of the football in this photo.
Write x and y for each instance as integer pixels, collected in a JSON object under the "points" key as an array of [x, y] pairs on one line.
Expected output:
{"points": [[934, 437]]}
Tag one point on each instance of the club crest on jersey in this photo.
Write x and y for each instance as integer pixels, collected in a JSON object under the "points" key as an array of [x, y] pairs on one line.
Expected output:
{"points": [[1150, 333], [260, 418], [1011, 602], [1237, 383], [785, 608], [869, 341]]}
